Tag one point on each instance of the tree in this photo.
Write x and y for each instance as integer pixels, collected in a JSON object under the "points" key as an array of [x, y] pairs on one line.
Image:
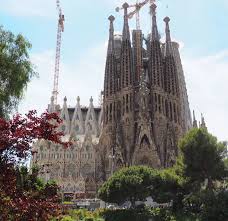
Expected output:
{"points": [[138, 183], [203, 157], [16, 70], [24, 196], [128, 184]]}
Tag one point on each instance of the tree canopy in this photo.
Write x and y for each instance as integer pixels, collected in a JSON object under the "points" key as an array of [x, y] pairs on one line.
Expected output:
{"points": [[138, 183], [24, 196], [203, 157], [16, 69]]}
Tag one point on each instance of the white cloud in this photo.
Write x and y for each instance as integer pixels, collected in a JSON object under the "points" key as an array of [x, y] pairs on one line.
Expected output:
{"points": [[207, 88], [41, 8], [83, 77]]}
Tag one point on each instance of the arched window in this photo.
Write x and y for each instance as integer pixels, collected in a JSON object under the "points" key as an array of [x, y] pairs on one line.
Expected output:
{"points": [[76, 128]]}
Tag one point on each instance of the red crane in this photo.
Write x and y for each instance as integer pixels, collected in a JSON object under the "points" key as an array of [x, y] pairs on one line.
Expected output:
{"points": [[60, 29]]}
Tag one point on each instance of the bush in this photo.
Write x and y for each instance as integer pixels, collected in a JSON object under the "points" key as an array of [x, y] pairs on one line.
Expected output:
{"points": [[89, 219], [67, 218], [138, 215]]}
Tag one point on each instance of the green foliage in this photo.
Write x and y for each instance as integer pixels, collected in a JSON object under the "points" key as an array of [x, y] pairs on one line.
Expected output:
{"points": [[16, 69], [67, 218], [137, 183], [123, 215], [128, 184], [215, 206], [203, 157], [83, 215]]}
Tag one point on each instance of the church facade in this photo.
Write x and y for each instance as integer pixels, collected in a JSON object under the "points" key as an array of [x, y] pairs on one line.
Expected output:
{"points": [[144, 112], [146, 109]]}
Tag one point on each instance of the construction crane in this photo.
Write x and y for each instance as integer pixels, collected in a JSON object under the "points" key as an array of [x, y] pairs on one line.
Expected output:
{"points": [[60, 29], [137, 7]]}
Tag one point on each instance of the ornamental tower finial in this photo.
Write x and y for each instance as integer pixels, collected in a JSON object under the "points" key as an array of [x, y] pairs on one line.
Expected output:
{"points": [[126, 31], [168, 47], [111, 35], [155, 34]]}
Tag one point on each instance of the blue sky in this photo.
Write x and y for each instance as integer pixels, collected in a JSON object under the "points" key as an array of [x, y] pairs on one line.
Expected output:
{"points": [[199, 25]]}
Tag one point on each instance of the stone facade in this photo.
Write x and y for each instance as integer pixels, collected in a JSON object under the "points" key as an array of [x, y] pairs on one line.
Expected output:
{"points": [[145, 111], [73, 168]]}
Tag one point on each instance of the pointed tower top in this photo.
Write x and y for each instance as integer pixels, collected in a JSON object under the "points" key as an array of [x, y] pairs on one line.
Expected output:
{"points": [[111, 34], [203, 123], [168, 47], [155, 34], [111, 18], [51, 106], [126, 32], [91, 100], [195, 125], [125, 6], [78, 99], [65, 99]]}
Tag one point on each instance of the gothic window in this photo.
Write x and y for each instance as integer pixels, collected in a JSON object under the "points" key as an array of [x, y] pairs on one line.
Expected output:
{"points": [[127, 104], [76, 128], [90, 117], [110, 114], [114, 112], [159, 101], [171, 110], [166, 108], [123, 105], [131, 102], [156, 102], [89, 127], [175, 113], [41, 148], [77, 117], [63, 128], [106, 114]]}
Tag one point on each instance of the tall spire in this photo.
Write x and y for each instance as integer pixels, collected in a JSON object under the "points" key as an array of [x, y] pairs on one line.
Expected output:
{"points": [[155, 34], [168, 47], [194, 120], [109, 84], [203, 123], [126, 31], [111, 35]]}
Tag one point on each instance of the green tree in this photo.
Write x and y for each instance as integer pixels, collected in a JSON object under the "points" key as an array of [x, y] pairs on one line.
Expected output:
{"points": [[203, 158], [128, 184], [138, 183], [16, 70]]}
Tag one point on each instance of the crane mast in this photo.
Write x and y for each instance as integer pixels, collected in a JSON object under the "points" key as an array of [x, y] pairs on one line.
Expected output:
{"points": [[60, 29], [137, 7]]}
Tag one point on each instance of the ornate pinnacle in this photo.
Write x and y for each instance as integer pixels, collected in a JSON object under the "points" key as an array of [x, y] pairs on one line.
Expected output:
{"points": [[166, 20], [65, 99], [168, 37], [155, 35], [153, 8], [91, 100], [111, 34], [126, 32], [125, 6], [78, 99], [111, 18]]}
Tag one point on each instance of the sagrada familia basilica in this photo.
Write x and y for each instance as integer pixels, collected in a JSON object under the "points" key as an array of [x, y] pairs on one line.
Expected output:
{"points": [[145, 111]]}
